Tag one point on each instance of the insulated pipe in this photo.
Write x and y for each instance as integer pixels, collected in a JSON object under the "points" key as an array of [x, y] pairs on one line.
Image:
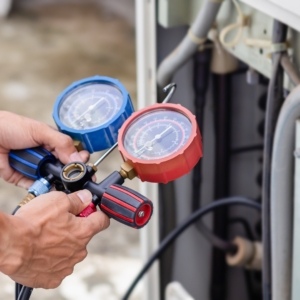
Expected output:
{"points": [[274, 102], [282, 196], [189, 45]]}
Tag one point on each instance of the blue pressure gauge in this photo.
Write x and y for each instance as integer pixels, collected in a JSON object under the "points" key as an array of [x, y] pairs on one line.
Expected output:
{"points": [[92, 110]]}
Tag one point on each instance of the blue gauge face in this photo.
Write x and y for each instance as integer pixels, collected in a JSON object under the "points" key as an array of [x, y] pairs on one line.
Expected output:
{"points": [[90, 105], [157, 134], [92, 110]]}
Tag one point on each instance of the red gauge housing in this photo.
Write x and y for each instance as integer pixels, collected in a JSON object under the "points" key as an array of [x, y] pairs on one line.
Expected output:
{"points": [[170, 167]]}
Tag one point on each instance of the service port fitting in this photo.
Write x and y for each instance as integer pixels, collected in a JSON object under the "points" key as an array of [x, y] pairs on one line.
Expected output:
{"points": [[248, 255]]}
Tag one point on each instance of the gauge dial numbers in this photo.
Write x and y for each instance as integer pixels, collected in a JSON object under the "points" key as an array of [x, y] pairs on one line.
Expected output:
{"points": [[162, 142], [92, 110], [157, 135]]}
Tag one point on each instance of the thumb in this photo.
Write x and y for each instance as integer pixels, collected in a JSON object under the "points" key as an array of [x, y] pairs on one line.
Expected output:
{"points": [[79, 201]]}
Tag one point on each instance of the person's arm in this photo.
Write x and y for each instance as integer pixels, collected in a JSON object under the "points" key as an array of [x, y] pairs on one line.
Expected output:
{"points": [[18, 132], [40, 245]]}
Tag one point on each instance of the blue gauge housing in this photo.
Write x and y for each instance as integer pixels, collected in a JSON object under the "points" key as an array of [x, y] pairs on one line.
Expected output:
{"points": [[93, 138]]}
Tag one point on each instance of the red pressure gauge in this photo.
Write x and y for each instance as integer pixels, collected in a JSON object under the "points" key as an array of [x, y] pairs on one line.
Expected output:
{"points": [[161, 142]]}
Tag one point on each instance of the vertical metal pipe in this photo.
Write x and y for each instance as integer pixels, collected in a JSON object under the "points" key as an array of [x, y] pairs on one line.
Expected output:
{"points": [[221, 95]]}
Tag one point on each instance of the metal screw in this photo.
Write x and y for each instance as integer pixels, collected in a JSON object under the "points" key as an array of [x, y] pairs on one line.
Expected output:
{"points": [[141, 214]]}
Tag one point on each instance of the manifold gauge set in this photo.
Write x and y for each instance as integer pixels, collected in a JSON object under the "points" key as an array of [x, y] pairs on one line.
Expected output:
{"points": [[159, 143]]}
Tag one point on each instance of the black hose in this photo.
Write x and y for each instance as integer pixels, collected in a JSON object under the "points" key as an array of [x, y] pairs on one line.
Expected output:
{"points": [[216, 241], [20, 295], [274, 102], [180, 229], [17, 290], [246, 226], [221, 244], [26, 293], [15, 210]]}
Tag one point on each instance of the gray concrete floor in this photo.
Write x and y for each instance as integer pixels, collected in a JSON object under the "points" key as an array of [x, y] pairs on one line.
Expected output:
{"points": [[42, 50]]}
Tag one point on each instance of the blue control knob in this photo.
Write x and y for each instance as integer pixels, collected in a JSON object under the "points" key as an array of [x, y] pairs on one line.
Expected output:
{"points": [[92, 110], [29, 162]]}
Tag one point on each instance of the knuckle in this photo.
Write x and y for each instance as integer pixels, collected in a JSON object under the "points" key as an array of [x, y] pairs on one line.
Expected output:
{"points": [[95, 226], [65, 141], [73, 201], [89, 232], [54, 283], [69, 271], [14, 266], [63, 200], [106, 222], [80, 256]]}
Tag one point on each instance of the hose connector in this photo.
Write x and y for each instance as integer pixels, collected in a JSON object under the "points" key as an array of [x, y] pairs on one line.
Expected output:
{"points": [[27, 199], [39, 187]]}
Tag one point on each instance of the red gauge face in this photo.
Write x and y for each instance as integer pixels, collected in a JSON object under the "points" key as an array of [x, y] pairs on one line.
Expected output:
{"points": [[162, 142]]}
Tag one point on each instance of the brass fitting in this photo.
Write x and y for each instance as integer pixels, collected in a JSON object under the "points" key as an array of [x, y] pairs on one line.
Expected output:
{"points": [[73, 167], [92, 166], [27, 199], [127, 171], [78, 146]]}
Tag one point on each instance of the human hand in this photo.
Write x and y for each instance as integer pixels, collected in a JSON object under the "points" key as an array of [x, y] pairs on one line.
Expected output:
{"points": [[44, 240], [18, 132]]}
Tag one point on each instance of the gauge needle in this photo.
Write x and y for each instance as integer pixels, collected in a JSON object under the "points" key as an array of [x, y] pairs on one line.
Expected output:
{"points": [[91, 107], [151, 143]]}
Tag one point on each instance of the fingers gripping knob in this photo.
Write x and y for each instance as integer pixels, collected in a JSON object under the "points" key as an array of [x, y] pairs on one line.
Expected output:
{"points": [[91, 208], [126, 206]]}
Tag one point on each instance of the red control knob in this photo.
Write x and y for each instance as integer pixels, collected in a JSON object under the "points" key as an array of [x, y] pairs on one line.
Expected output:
{"points": [[126, 206], [88, 210]]}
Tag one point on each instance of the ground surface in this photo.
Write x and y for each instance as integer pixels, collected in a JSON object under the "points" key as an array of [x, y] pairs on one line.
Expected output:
{"points": [[43, 50]]}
